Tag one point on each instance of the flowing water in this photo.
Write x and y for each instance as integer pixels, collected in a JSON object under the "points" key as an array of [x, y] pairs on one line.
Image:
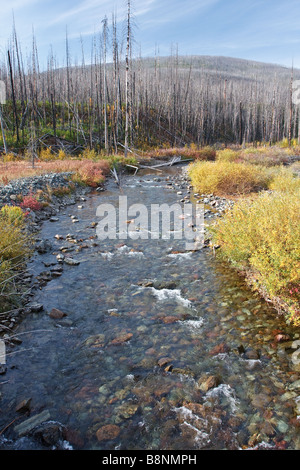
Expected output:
{"points": [[159, 349]]}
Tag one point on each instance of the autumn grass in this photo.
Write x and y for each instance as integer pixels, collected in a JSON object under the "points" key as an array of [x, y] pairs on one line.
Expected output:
{"points": [[15, 247], [261, 237], [187, 152], [263, 156], [85, 171], [228, 178], [228, 155], [285, 180]]}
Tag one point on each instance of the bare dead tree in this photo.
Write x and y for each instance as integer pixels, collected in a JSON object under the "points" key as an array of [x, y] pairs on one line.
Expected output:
{"points": [[291, 108], [105, 32], [157, 101], [13, 95], [127, 77], [3, 131]]}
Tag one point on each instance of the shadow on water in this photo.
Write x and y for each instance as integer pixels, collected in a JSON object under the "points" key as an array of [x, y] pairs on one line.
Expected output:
{"points": [[159, 348]]}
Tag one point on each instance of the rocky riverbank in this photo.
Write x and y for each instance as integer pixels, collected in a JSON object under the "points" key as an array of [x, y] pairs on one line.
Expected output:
{"points": [[24, 186], [26, 282]]}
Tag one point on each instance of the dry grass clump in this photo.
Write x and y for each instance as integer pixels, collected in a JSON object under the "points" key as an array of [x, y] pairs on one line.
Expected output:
{"points": [[193, 151], [262, 156], [13, 215], [228, 155], [13, 239], [227, 178], [295, 167], [285, 180], [265, 156], [86, 171]]}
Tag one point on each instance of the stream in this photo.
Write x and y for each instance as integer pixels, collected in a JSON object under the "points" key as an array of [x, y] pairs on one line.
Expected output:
{"points": [[159, 348]]}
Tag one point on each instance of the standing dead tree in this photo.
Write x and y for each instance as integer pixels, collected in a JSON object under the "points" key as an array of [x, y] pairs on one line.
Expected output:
{"points": [[105, 27], [127, 77], [173, 101]]}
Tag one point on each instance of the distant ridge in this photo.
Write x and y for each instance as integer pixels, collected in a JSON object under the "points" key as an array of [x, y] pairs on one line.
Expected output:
{"points": [[222, 65]]}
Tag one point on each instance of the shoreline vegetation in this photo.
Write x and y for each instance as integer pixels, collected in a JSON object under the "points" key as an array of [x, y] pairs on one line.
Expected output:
{"points": [[259, 236]]}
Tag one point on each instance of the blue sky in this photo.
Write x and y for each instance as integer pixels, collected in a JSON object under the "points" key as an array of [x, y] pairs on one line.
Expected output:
{"points": [[263, 30]]}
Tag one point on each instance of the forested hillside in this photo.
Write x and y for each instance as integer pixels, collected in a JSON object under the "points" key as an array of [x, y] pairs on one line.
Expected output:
{"points": [[114, 98]]}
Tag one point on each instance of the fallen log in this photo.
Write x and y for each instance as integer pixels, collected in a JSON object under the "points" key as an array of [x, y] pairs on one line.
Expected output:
{"points": [[115, 175]]}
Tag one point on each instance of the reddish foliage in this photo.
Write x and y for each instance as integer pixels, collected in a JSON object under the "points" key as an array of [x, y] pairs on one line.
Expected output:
{"points": [[30, 202]]}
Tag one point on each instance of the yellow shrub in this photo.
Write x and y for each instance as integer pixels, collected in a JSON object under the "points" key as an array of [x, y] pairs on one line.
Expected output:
{"points": [[285, 180], [194, 147], [263, 236], [222, 177], [9, 157], [62, 155], [285, 143], [12, 214], [227, 155], [13, 241], [15, 246], [46, 155], [89, 154]]}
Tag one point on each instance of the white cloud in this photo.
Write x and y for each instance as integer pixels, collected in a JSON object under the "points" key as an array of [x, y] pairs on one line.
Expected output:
{"points": [[195, 25], [161, 13], [15, 5], [86, 11]]}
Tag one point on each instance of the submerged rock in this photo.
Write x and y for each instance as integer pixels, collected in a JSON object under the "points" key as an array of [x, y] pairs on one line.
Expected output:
{"points": [[123, 338], [49, 433], [206, 383], [163, 361], [185, 372], [71, 261], [219, 349], [108, 432], [34, 307], [57, 314], [24, 405], [127, 410], [95, 341], [260, 400], [43, 246]]}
